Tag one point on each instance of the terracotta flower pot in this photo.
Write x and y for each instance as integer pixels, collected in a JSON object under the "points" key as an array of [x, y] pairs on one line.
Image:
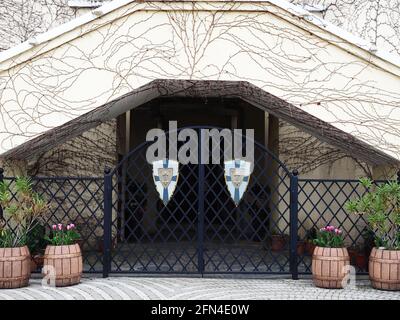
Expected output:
{"points": [[328, 266], [100, 244], [278, 242], [384, 269], [301, 248], [15, 267], [310, 248], [36, 262], [352, 254], [66, 262], [361, 261], [33, 265]]}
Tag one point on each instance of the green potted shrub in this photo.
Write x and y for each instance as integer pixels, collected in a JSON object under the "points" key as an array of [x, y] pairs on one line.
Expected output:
{"points": [[21, 215], [381, 205], [330, 258]]}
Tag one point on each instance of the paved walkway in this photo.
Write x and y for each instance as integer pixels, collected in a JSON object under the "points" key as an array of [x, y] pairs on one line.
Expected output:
{"points": [[193, 289]]}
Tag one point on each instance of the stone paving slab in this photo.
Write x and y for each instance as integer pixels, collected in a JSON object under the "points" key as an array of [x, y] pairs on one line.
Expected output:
{"points": [[145, 288]]}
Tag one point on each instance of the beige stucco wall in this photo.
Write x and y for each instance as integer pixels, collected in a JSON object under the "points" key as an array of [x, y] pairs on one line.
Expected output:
{"points": [[323, 203], [55, 82], [138, 43], [86, 155]]}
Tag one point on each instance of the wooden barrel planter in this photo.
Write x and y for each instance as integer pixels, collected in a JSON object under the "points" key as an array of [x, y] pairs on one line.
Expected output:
{"points": [[328, 267], [67, 264], [384, 269], [15, 267]]}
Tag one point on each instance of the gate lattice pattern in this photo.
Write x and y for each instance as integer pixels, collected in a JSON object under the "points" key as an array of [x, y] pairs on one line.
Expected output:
{"points": [[321, 203], [74, 200], [200, 230], [144, 236]]}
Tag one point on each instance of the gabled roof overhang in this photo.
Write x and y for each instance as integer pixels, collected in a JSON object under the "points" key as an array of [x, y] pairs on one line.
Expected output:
{"points": [[314, 107], [202, 89]]}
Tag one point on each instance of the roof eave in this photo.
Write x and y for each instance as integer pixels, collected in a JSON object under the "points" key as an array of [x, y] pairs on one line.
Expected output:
{"points": [[204, 88]]}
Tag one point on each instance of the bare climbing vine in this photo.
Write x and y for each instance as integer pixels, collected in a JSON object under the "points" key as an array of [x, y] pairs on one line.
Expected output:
{"points": [[375, 20], [23, 19], [128, 49]]}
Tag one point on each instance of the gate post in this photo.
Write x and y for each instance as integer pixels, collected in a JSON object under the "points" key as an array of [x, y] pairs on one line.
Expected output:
{"points": [[294, 183], [107, 222]]}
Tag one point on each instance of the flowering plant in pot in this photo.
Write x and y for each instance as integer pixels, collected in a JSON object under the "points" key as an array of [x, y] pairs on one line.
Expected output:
{"points": [[381, 206], [63, 256], [22, 212], [330, 258]]}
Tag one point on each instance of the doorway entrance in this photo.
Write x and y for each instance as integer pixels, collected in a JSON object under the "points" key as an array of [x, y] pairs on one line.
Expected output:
{"points": [[200, 230]]}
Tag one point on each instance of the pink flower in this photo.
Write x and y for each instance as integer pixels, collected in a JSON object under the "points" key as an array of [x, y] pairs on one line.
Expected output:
{"points": [[60, 226], [338, 231], [54, 227], [72, 225], [68, 227], [330, 228]]}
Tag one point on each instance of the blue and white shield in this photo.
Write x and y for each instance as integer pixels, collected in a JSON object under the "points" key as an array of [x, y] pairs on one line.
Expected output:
{"points": [[237, 176], [165, 175]]}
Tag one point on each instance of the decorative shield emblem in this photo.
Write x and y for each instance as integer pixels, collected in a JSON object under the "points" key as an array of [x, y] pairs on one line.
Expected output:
{"points": [[165, 175], [237, 175]]}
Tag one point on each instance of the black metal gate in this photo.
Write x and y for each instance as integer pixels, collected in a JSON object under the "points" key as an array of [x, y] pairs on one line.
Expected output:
{"points": [[200, 230]]}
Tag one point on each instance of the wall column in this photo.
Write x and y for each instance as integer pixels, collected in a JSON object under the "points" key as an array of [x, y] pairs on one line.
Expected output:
{"points": [[124, 181], [273, 169]]}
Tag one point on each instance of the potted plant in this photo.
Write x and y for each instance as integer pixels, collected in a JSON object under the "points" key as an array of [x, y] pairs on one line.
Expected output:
{"points": [[361, 260], [100, 244], [330, 258], [358, 256], [310, 236], [369, 242], [301, 247], [63, 257], [278, 242], [381, 205], [36, 245], [352, 254], [21, 214]]}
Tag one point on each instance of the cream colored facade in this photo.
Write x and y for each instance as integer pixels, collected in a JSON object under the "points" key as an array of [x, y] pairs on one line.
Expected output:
{"points": [[104, 54], [342, 88]]}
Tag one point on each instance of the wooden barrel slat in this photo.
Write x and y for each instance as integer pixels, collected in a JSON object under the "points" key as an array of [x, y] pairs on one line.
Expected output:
{"points": [[384, 269], [67, 263], [328, 266], [15, 268]]}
